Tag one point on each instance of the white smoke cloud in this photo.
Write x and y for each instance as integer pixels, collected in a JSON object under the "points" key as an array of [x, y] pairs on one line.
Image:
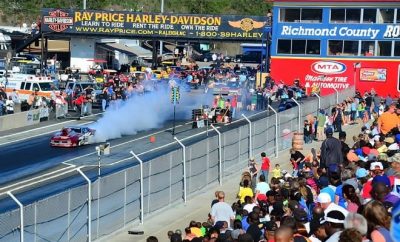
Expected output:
{"points": [[145, 112]]}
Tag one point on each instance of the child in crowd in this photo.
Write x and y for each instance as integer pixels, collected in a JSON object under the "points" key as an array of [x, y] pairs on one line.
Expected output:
{"points": [[276, 172], [307, 132]]}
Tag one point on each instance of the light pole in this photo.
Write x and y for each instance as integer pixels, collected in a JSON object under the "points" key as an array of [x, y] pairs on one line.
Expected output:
{"points": [[84, 4], [161, 42]]}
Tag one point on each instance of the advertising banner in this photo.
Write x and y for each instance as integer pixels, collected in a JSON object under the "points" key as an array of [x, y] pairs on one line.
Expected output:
{"points": [[334, 73], [338, 31], [153, 25], [373, 74]]}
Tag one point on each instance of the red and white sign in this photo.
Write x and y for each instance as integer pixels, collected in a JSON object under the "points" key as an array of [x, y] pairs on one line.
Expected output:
{"points": [[336, 73]]}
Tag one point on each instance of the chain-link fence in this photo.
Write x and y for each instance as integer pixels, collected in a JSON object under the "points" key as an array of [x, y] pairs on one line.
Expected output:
{"points": [[115, 199]]}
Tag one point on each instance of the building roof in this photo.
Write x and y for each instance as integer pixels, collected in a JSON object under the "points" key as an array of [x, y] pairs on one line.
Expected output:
{"points": [[130, 50]]}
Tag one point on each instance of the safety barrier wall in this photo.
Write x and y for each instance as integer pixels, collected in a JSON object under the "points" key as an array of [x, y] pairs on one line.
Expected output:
{"points": [[116, 201], [23, 119]]}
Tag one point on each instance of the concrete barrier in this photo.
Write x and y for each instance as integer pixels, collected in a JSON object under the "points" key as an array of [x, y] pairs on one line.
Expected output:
{"points": [[22, 119]]}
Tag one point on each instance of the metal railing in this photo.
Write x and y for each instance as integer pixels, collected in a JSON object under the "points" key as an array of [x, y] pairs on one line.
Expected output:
{"points": [[109, 203]]}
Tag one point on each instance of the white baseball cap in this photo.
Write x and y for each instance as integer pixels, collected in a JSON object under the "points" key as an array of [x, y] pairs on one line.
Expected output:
{"points": [[376, 166], [324, 197]]}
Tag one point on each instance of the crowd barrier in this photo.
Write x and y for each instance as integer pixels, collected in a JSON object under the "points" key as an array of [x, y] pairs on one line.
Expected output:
{"points": [[22, 119], [111, 202]]}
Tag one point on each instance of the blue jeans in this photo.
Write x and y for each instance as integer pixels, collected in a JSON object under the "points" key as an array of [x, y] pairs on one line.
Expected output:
{"points": [[265, 173]]}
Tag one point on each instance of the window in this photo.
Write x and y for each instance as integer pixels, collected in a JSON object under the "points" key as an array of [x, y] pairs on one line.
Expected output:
{"points": [[353, 15], [299, 47], [335, 47], [384, 48], [35, 87], [290, 15], [22, 85], [368, 48], [369, 16], [313, 47], [313, 15], [338, 15], [397, 48], [284, 46], [28, 86], [350, 48], [398, 16], [341, 47], [385, 15]]}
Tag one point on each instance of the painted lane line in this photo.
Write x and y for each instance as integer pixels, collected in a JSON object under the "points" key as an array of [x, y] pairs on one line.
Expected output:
{"points": [[47, 126], [38, 181], [67, 162], [33, 136], [37, 177]]}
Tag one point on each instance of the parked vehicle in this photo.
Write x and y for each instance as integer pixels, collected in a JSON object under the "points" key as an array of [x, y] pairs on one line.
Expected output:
{"points": [[249, 57]]}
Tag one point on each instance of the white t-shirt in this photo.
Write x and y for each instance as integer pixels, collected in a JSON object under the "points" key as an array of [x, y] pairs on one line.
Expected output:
{"points": [[263, 187], [334, 237], [249, 207], [221, 211]]}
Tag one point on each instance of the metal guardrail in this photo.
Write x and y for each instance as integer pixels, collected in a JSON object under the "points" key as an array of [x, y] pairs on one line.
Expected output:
{"points": [[115, 200]]}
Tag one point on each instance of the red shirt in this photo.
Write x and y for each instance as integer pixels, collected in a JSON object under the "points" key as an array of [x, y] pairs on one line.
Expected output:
{"points": [[265, 164], [367, 187]]}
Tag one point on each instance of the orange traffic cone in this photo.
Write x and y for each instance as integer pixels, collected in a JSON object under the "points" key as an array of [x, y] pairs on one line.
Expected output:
{"points": [[152, 139]]}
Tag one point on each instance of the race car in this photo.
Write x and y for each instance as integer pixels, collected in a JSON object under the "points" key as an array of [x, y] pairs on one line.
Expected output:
{"points": [[72, 136]]}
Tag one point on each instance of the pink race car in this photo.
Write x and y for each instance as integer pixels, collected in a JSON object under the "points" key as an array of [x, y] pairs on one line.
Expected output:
{"points": [[72, 136]]}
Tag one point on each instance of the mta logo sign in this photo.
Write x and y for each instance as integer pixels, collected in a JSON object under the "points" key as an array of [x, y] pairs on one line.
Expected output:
{"points": [[328, 67]]}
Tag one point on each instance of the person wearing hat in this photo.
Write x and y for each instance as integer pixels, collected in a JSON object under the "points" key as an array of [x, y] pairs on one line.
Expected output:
{"points": [[325, 202], [395, 165], [317, 231], [331, 151], [323, 184], [334, 225], [388, 120], [269, 231]]}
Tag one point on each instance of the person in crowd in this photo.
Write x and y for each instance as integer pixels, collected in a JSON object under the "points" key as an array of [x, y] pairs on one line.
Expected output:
{"points": [[388, 120], [277, 172], [352, 201], [10, 105], [334, 225], [151, 239], [324, 200], [378, 222], [221, 211], [321, 120], [265, 165], [245, 191], [331, 152], [261, 189], [350, 235]]}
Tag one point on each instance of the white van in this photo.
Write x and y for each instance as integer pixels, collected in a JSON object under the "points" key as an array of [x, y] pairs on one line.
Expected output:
{"points": [[43, 86]]}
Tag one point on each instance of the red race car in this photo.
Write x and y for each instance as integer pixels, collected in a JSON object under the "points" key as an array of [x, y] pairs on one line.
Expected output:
{"points": [[72, 136]]}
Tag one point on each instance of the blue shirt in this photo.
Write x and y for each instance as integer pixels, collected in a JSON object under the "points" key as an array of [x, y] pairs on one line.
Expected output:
{"points": [[339, 192], [330, 192]]}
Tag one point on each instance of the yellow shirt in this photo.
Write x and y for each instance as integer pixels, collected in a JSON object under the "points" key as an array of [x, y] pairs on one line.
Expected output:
{"points": [[276, 173], [244, 192]]}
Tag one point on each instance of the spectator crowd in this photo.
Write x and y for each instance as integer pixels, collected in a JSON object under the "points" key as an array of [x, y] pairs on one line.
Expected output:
{"points": [[339, 192]]}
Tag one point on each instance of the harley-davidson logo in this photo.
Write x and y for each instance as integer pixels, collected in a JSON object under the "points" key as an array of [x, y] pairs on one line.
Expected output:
{"points": [[58, 20]]}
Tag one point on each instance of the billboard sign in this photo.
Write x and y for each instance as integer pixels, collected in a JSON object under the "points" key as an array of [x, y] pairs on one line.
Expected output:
{"points": [[373, 74], [338, 31], [153, 25]]}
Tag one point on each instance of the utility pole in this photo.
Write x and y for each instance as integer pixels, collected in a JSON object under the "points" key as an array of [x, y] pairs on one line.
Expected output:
{"points": [[84, 4], [161, 42]]}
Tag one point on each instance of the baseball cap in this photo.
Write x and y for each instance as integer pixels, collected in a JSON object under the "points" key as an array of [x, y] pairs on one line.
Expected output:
{"points": [[383, 157], [352, 157], [361, 172], [365, 150], [270, 226], [395, 158], [376, 166], [271, 193], [300, 215], [382, 179], [334, 216], [397, 138], [324, 197], [323, 181], [377, 137], [372, 157], [393, 146], [389, 140], [329, 131]]}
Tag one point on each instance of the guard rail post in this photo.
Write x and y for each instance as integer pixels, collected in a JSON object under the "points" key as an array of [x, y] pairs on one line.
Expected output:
{"points": [[276, 130], [250, 136], [21, 214], [89, 203], [319, 100], [184, 167], [298, 105], [337, 96], [141, 187], [219, 153]]}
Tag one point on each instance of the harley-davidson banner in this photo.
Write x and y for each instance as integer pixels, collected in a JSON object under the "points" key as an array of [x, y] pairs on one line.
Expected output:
{"points": [[154, 25]]}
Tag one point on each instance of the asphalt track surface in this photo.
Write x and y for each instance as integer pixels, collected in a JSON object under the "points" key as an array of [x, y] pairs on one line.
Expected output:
{"points": [[28, 164]]}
